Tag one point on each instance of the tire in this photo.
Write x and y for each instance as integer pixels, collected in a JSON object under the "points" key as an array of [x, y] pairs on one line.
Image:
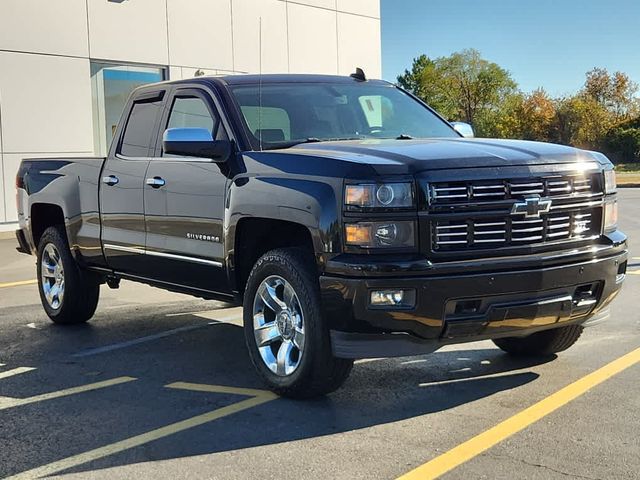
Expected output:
{"points": [[304, 372], [543, 343], [68, 294]]}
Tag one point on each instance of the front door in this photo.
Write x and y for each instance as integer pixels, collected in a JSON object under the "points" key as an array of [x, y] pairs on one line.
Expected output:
{"points": [[122, 186], [184, 202]]}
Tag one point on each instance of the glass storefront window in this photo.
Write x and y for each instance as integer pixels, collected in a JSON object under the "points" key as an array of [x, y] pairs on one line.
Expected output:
{"points": [[110, 87]]}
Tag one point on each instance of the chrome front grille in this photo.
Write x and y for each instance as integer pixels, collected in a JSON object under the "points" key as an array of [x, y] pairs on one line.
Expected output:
{"points": [[504, 231], [496, 190]]}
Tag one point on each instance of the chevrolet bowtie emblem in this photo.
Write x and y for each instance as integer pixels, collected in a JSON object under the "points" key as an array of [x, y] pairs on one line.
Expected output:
{"points": [[532, 207]]}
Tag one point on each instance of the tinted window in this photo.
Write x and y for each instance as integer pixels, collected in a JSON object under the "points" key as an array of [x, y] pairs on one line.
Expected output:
{"points": [[191, 112], [286, 113], [268, 122], [140, 128]]}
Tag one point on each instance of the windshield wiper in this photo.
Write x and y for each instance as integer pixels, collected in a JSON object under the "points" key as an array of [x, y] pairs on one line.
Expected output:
{"points": [[404, 136], [293, 143]]}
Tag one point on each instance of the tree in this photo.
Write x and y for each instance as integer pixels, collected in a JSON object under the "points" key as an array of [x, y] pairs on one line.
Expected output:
{"points": [[538, 116], [462, 86], [582, 121], [604, 115], [526, 116], [615, 92]]}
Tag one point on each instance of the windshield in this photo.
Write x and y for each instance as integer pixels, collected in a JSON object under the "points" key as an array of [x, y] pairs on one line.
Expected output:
{"points": [[285, 114]]}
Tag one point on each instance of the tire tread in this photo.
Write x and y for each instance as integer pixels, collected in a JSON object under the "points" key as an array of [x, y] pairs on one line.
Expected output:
{"points": [[542, 343]]}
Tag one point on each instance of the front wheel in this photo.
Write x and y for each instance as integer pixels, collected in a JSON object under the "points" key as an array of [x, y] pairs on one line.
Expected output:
{"points": [[542, 343], [285, 333], [68, 294]]}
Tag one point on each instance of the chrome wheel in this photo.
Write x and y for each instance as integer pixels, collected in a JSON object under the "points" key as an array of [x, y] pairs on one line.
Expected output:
{"points": [[52, 276], [278, 325]]}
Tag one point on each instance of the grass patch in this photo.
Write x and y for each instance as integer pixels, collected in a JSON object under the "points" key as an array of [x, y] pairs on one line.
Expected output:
{"points": [[628, 167], [628, 178]]}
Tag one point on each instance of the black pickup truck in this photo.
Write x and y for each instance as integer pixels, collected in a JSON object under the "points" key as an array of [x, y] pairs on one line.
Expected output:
{"points": [[347, 217]]}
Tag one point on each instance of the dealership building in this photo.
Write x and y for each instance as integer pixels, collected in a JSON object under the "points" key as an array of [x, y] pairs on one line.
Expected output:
{"points": [[67, 66]]}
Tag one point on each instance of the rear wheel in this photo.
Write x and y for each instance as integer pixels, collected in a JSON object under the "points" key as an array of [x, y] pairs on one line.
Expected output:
{"points": [[542, 343], [68, 294], [286, 335]]}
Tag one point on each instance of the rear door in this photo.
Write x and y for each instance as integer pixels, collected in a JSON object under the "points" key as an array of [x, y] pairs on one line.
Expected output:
{"points": [[184, 201], [122, 183]]}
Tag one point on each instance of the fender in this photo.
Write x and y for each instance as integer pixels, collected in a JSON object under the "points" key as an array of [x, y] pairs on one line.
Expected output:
{"points": [[310, 203], [71, 185]]}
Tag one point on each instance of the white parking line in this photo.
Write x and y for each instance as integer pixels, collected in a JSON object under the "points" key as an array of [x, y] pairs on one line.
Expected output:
{"points": [[256, 398], [10, 402], [210, 315], [138, 341], [15, 371]]}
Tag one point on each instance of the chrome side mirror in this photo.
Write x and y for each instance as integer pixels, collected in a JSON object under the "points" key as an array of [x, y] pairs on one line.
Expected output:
{"points": [[195, 142], [463, 129]]}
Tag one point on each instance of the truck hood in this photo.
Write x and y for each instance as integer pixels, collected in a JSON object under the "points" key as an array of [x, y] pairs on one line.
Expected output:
{"points": [[414, 156]]}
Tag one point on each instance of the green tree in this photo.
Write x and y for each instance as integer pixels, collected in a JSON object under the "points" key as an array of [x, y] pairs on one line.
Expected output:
{"points": [[462, 86]]}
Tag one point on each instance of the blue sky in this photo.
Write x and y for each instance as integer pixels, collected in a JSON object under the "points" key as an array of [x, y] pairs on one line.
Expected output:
{"points": [[543, 43]]}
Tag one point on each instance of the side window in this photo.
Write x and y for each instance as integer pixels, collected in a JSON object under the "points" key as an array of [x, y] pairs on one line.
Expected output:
{"points": [[192, 112], [140, 129]]}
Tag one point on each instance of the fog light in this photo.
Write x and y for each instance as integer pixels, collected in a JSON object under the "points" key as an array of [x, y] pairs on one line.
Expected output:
{"points": [[393, 298]]}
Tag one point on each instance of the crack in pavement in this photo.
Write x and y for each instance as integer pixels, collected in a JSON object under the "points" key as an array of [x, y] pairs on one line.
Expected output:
{"points": [[540, 465]]}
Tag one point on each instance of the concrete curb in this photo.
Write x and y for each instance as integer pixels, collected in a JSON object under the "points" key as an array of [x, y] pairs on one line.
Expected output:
{"points": [[7, 235]]}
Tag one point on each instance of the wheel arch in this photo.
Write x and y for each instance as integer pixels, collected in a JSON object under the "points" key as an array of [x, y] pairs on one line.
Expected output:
{"points": [[264, 213], [43, 216]]}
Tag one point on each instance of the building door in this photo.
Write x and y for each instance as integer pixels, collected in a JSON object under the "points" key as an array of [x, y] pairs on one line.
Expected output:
{"points": [[111, 86]]}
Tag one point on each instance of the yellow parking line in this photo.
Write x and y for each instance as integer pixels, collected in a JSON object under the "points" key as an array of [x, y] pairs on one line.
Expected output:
{"points": [[258, 398], [17, 284], [9, 402], [203, 387], [487, 439], [15, 371]]}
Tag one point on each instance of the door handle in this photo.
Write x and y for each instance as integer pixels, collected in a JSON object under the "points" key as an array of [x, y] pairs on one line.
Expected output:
{"points": [[110, 180], [155, 182]]}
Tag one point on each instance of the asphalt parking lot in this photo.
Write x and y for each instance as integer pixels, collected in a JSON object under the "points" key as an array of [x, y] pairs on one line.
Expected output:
{"points": [[158, 385]]}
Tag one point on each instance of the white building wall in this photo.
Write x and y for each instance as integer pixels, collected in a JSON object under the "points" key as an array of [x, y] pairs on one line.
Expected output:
{"points": [[46, 49]]}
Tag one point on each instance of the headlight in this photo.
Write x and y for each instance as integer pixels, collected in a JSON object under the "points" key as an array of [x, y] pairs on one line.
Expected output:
{"points": [[379, 196], [610, 215], [380, 234], [610, 185]]}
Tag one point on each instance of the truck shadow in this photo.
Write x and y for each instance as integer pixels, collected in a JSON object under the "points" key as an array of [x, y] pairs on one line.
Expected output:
{"points": [[377, 393]]}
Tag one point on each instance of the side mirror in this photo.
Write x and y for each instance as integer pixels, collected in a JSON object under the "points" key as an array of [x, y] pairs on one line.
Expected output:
{"points": [[195, 142], [463, 129]]}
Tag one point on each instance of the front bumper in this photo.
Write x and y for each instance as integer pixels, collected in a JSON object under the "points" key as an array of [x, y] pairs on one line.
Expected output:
{"points": [[464, 307]]}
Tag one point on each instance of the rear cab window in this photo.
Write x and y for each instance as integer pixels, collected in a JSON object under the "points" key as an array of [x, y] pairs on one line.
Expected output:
{"points": [[140, 129]]}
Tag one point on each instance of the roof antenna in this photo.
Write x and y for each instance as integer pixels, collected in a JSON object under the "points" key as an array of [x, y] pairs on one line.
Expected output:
{"points": [[260, 85], [359, 75]]}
